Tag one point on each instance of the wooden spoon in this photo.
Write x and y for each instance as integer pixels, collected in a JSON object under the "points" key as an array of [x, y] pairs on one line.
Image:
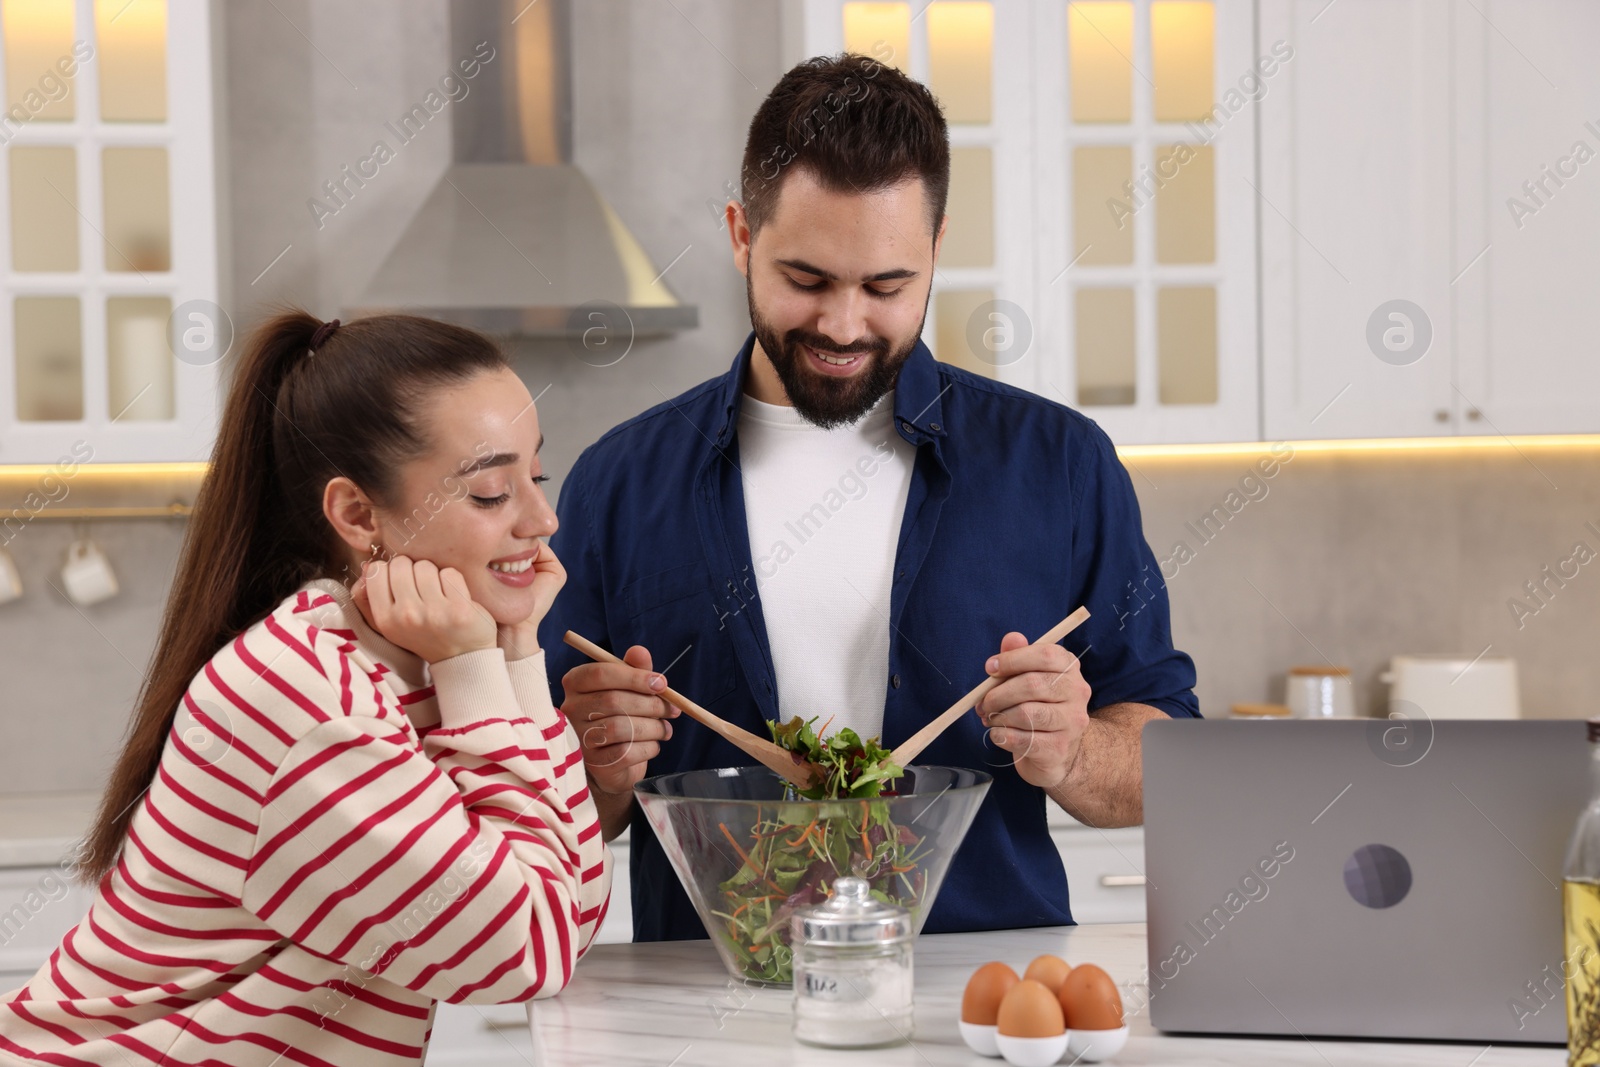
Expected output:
{"points": [[781, 761], [912, 746]]}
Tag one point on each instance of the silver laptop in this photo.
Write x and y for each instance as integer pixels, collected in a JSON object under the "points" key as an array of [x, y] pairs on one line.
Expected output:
{"points": [[1361, 878]]}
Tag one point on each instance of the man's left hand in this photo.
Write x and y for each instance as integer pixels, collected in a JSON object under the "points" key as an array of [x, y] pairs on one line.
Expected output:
{"points": [[1040, 709]]}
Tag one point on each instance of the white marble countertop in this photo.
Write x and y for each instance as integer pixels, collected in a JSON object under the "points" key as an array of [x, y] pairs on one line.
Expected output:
{"points": [[671, 1004], [38, 829]]}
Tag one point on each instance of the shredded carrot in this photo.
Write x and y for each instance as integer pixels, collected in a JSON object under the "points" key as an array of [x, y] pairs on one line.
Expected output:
{"points": [[805, 833], [742, 853], [745, 855], [754, 900]]}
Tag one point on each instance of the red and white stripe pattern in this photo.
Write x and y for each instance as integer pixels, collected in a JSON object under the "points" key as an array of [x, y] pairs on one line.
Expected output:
{"points": [[337, 838]]}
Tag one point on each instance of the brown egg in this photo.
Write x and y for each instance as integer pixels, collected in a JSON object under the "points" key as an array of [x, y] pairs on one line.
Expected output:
{"points": [[1049, 971], [988, 986], [1031, 1010], [1089, 999]]}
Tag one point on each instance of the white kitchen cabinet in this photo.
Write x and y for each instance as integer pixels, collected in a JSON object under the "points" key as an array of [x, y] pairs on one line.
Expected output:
{"points": [[1527, 128], [618, 926], [1104, 872], [1439, 154], [38, 905], [110, 330], [1355, 209], [1105, 869]]}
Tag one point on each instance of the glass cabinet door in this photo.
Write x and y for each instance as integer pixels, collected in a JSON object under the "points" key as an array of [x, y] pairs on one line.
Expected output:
{"points": [[977, 316], [1100, 204], [1143, 211], [107, 128]]}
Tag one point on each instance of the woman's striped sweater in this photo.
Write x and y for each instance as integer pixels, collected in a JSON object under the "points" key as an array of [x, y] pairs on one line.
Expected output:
{"points": [[337, 837]]}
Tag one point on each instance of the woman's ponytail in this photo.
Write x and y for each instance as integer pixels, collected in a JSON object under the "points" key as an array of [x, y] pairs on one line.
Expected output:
{"points": [[217, 583], [292, 421]]}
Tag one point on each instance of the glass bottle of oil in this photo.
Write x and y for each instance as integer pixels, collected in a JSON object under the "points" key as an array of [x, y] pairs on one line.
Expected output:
{"points": [[1580, 906]]}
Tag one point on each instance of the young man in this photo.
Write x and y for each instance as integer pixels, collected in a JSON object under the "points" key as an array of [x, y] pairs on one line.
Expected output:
{"points": [[842, 527]]}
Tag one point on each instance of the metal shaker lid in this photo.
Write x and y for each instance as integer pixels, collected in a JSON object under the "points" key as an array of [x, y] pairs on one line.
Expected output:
{"points": [[851, 917]]}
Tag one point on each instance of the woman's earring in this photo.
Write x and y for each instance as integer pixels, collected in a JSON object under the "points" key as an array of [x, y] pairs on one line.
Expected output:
{"points": [[378, 553]]}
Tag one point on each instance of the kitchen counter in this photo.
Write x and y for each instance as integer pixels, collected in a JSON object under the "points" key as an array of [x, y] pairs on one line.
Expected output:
{"points": [[39, 829], [671, 1003]]}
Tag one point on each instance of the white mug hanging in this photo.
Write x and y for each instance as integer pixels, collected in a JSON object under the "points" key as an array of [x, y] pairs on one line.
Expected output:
{"points": [[10, 580], [88, 575]]}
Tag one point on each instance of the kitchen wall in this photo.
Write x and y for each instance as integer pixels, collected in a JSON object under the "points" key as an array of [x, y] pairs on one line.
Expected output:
{"points": [[1352, 558], [1348, 558], [664, 92]]}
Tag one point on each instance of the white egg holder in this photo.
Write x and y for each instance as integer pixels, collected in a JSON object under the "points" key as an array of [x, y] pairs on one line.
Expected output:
{"points": [[1085, 1046]]}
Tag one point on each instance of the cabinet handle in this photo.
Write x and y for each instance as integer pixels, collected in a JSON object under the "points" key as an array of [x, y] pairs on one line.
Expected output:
{"points": [[1474, 415], [1441, 415], [1113, 880]]}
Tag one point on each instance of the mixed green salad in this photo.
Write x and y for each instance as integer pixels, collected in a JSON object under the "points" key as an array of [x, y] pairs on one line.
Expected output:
{"points": [[797, 846], [851, 767]]}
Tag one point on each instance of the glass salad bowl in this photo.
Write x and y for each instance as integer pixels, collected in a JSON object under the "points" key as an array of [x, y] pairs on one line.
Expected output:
{"points": [[749, 853]]}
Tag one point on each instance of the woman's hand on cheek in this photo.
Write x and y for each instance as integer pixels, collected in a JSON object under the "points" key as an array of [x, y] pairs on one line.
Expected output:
{"points": [[548, 578], [423, 609], [522, 638]]}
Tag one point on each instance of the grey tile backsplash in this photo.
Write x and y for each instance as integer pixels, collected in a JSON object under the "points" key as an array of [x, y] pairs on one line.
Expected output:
{"points": [[71, 673]]}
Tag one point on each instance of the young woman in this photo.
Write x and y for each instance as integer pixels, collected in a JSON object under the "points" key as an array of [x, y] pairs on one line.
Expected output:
{"points": [[345, 794]]}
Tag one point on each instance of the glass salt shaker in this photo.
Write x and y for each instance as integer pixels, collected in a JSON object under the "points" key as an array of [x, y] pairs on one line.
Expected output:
{"points": [[852, 970]]}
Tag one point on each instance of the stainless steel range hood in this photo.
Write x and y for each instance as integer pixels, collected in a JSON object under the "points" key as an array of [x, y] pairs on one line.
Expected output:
{"points": [[515, 239]]}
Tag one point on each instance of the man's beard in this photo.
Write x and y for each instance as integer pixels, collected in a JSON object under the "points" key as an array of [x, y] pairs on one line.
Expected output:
{"points": [[822, 400]]}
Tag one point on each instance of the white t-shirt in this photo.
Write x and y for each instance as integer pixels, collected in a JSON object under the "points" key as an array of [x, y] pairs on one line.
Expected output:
{"points": [[823, 509]]}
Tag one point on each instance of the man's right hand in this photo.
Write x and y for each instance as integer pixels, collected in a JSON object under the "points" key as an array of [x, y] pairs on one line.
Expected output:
{"points": [[620, 720]]}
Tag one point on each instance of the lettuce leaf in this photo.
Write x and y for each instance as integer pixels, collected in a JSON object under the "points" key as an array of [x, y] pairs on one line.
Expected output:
{"points": [[852, 768]]}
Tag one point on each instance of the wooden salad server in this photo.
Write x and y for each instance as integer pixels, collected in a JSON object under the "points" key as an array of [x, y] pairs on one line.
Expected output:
{"points": [[912, 746], [781, 761]]}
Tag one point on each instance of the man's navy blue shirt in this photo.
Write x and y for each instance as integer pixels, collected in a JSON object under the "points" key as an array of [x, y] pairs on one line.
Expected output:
{"points": [[1018, 512]]}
